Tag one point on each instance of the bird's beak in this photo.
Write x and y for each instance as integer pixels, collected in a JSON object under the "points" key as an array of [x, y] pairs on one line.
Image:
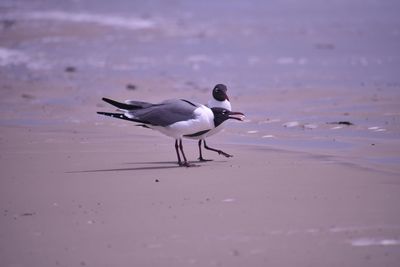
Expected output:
{"points": [[226, 96], [236, 115]]}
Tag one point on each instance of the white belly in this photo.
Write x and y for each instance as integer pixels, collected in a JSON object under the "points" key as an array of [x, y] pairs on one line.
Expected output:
{"points": [[204, 120]]}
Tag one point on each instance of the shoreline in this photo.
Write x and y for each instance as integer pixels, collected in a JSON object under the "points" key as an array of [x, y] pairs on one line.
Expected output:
{"points": [[105, 199]]}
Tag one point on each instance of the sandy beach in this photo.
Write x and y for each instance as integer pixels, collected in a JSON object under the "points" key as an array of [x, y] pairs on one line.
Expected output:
{"points": [[314, 180]]}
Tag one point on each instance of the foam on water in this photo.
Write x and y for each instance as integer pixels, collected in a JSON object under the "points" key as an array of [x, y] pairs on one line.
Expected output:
{"points": [[12, 57], [364, 242], [131, 23], [228, 200], [291, 124], [268, 136]]}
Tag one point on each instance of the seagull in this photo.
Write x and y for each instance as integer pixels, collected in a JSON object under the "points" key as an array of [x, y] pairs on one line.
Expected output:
{"points": [[176, 118], [219, 99]]}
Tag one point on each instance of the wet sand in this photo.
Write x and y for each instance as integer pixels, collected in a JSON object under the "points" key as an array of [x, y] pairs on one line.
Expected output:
{"points": [[314, 180], [100, 196]]}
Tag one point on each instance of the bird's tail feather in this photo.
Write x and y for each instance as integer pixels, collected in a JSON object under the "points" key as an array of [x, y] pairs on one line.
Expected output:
{"points": [[120, 116]]}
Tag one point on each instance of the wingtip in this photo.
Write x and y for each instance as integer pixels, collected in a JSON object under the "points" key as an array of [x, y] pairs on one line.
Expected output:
{"points": [[119, 105]]}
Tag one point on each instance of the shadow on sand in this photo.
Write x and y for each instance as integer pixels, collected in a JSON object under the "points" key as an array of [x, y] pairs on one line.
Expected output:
{"points": [[170, 165], [156, 165]]}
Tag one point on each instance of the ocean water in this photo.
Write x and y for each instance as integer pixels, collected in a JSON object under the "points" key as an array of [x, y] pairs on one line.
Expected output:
{"points": [[296, 68], [253, 45]]}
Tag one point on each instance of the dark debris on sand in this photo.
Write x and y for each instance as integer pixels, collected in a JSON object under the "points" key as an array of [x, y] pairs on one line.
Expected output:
{"points": [[348, 123], [70, 69], [131, 86]]}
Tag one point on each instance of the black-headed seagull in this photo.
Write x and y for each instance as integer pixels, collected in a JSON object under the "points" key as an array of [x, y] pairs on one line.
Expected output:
{"points": [[219, 99], [176, 118]]}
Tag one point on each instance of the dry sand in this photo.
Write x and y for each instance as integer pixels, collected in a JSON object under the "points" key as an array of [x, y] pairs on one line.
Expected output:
{"points": [[302, 189], [110, 194]]}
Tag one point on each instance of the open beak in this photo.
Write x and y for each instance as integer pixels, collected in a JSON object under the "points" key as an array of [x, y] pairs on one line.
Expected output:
{"points": [[236, 115]]}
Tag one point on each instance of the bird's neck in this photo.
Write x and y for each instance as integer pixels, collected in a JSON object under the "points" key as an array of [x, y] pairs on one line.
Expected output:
{"points": [[213, 103]]}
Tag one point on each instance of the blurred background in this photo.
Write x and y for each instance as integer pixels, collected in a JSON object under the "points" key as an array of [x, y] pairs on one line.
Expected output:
{"points": [[308, 74], [252, 44]]}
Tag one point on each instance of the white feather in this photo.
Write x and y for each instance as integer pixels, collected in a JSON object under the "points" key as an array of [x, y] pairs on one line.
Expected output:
{"points": [[204, 120]]}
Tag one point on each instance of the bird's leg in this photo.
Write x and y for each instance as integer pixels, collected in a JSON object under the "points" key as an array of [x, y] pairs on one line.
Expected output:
{"points": [[177, 152], [185, 162], [200, 154], [220, 152]]}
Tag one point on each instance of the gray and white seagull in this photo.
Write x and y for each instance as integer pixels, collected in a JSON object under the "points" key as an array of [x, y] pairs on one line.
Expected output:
{"points": [[176, 118], [219, 99]]}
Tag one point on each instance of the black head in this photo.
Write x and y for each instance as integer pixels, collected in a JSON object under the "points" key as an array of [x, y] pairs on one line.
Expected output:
{"points": [[219, 92], [221, 115]]}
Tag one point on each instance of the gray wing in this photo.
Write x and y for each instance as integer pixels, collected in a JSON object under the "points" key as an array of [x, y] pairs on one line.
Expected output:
{"points": [[166, 113]]}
